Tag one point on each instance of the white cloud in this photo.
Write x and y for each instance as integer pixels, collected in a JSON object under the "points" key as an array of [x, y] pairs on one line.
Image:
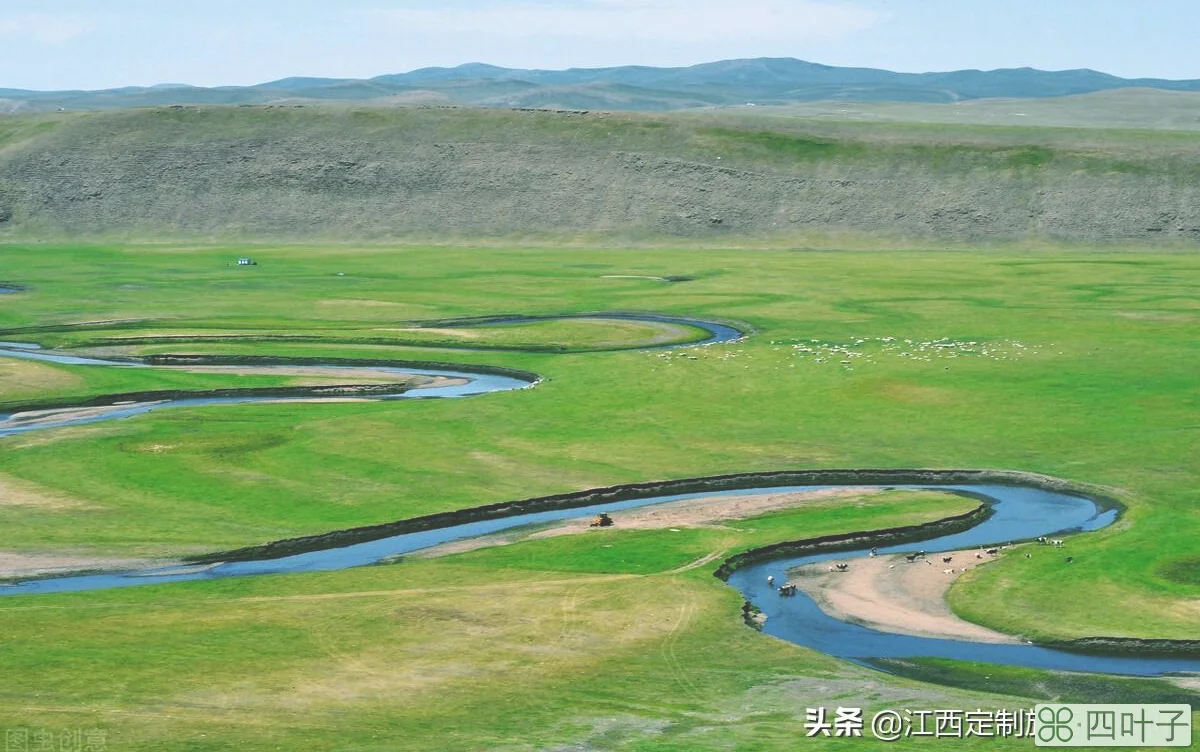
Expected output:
{"points": [[666, 21], [47, 28]]}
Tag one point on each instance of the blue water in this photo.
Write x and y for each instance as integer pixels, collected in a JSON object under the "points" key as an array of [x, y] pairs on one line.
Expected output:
{"points": [[1019, 513], [475, 383]]}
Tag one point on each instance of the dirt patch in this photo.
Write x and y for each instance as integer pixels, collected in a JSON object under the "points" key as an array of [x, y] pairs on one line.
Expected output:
{"points": [[1155, 316], [708, 511], [893, 595], [17, 565], [463, 333]]}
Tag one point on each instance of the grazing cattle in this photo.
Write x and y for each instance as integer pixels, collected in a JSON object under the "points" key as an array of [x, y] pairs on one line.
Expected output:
{"points": [[787, 590], [947, 571], [992, 551], [1043, 540], [770, 579], [1070, 559], [947, 559], [1057, 543], [911, 557], [1028, 555], [842, 567]]}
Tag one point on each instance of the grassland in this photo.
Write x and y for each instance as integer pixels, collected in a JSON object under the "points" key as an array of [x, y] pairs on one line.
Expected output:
{"points": [[1130, 109], [1078, 365], [727, 178]]}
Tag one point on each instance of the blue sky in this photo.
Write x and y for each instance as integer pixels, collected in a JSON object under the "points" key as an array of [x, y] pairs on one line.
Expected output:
{"points": [[61, 44]]}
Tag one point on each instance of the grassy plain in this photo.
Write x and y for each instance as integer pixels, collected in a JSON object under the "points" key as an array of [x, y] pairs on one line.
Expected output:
{"points": [[1078, 365], [724, 178]]}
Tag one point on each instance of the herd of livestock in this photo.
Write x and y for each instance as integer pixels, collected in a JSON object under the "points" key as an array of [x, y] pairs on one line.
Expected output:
{"points": [[790, 588]]}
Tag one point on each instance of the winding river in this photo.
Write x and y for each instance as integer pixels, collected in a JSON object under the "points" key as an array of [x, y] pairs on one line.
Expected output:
{"points": [[1020, 512]]}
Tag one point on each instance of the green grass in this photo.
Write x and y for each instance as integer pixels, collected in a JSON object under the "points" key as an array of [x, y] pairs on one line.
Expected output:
{"points": [[1031, 683], [1089, 375], [1128, 109], [563, 335], [519, 647]]}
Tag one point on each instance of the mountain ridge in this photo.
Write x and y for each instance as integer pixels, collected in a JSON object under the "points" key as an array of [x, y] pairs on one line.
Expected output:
{"points": [[771, 81]]}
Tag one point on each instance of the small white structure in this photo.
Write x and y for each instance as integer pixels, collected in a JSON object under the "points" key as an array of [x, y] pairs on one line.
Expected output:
{"points": [[246, 261]]}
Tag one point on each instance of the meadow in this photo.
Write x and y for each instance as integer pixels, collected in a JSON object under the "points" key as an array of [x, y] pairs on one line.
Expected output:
{"points": [[727, 178], [1076, 364]]}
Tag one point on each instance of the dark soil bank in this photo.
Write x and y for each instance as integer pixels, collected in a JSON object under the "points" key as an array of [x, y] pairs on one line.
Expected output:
{"points": [[589, 497]]}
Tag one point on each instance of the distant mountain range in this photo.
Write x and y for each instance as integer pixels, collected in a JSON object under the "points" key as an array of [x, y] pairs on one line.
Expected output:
{"points": [[759, 81]]}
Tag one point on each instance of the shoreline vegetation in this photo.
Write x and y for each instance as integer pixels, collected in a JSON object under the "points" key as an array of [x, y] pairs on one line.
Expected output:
{"points": [[1074, 364], [631, 491]]}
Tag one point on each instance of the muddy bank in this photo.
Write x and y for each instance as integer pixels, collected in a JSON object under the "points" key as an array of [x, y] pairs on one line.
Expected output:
{"points": [[1128, 646], [625, 492]]}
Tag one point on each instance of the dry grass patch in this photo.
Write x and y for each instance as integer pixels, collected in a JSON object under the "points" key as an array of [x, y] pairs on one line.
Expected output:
{"points": [[15, 492], [20, 378], [425, 645], [915, 394]]}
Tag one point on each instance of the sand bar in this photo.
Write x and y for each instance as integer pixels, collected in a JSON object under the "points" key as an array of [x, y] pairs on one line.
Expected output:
{"points": [[892, 595]]}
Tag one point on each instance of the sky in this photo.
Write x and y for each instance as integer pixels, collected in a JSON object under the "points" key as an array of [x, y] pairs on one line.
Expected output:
{"points": [[87, 44]]}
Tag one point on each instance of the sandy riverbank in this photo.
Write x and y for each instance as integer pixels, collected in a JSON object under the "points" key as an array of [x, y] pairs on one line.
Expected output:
{"points": [[890, 594], [700, 512], [19, 565]]}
